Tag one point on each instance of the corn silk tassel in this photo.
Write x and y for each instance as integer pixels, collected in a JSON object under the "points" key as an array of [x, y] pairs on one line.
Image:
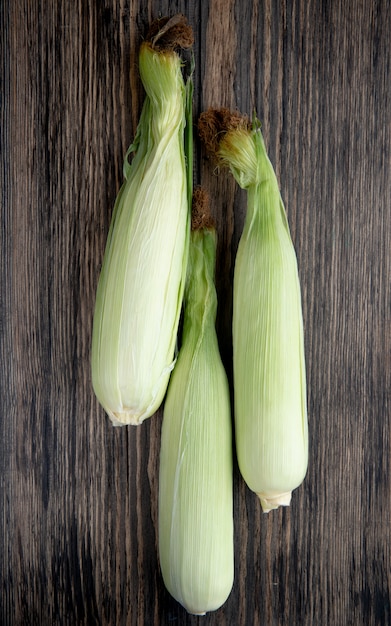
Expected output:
{"points": [[140, 290], [195, 480], [268, 346]]}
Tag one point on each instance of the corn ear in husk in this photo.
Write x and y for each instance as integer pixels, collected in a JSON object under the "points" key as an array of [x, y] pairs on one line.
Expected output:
{"points": [[268, 345], [195, 479], [140, 290]]}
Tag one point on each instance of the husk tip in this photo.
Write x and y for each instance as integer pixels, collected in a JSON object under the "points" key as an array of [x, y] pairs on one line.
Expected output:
{"points": [[200, 212], [214, 123], [170, 33]]}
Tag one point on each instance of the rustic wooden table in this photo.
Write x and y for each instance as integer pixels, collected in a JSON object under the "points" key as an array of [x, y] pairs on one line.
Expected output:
{"points": [[79, 498]]}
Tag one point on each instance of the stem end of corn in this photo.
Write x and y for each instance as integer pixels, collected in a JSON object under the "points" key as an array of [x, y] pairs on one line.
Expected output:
{"points": [[126, 418], [199, 614], [272, 502]]}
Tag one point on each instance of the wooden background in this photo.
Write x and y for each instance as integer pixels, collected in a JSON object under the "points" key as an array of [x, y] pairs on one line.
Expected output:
{"points": [[79, 498]]}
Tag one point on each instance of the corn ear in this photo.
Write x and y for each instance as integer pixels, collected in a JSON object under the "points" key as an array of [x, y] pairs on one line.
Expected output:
{"points": [[140, 290], [268, 345], [195, 479]]}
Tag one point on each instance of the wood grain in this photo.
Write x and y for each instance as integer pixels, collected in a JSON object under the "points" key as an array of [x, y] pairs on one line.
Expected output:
{"points": [[79, 498]]}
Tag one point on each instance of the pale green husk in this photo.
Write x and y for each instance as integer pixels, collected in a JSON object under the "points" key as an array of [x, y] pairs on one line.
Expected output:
{"points": [[195, 481], [268, 346], [140, 289]]}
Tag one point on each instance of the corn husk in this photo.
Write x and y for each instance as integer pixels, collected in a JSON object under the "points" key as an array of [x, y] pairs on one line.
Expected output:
{"points": [[268, 345], [140, 290], [195, 480]]}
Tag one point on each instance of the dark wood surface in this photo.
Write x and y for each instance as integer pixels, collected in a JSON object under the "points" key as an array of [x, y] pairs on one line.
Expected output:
{"points": [[79, 498]]}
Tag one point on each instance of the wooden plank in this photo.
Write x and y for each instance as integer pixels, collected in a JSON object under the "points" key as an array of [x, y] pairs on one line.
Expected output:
{"points": [[79, 498]]}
